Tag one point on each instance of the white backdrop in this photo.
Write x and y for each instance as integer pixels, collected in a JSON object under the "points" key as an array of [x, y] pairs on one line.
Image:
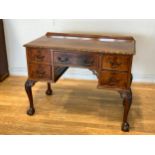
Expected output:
{"points": [[19, 32]]}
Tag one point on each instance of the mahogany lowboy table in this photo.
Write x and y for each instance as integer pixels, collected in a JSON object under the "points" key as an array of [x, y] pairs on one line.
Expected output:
{"points": [[109, 57]]}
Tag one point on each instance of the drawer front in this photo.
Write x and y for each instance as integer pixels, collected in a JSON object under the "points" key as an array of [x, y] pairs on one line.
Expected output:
{"points": [[116, 62], [39, 71], [39, 55], [113, 79], [76, 59]]}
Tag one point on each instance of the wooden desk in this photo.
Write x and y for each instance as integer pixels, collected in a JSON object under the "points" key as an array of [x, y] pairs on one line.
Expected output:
{"points": [[109, 57]]}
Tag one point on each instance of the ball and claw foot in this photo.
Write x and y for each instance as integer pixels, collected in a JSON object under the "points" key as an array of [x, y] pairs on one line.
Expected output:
{"points": [[30, 111], [125, 127], [49, 92]]}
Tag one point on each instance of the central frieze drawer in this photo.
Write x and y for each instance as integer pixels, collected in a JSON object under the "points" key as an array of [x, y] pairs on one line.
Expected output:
{"points": [[114, 79], [76, 59], [116, 62]]}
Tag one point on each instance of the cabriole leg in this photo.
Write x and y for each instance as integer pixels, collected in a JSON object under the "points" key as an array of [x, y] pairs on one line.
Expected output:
{"points": [[28, 88], [127, 101], [49, 90]]}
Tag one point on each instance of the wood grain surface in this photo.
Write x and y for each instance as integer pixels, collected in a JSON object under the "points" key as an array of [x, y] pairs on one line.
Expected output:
{"points": [[84, 42], [76, 107]]}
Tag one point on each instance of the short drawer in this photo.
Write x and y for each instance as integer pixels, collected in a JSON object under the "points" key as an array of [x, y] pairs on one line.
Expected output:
{"points": [[116, 62], [39, 71], [113, 79], [39, 55], [76, 59]]}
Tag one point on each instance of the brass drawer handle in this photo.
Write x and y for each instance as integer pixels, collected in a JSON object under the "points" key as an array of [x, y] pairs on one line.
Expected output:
{"points": [[115, 64], [63, 59], [40, 57], [40, 73], [112, 81], [88, 62]]}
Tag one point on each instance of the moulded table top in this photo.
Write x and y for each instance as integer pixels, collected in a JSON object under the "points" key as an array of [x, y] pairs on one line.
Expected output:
{"points": [[84, 42]]}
